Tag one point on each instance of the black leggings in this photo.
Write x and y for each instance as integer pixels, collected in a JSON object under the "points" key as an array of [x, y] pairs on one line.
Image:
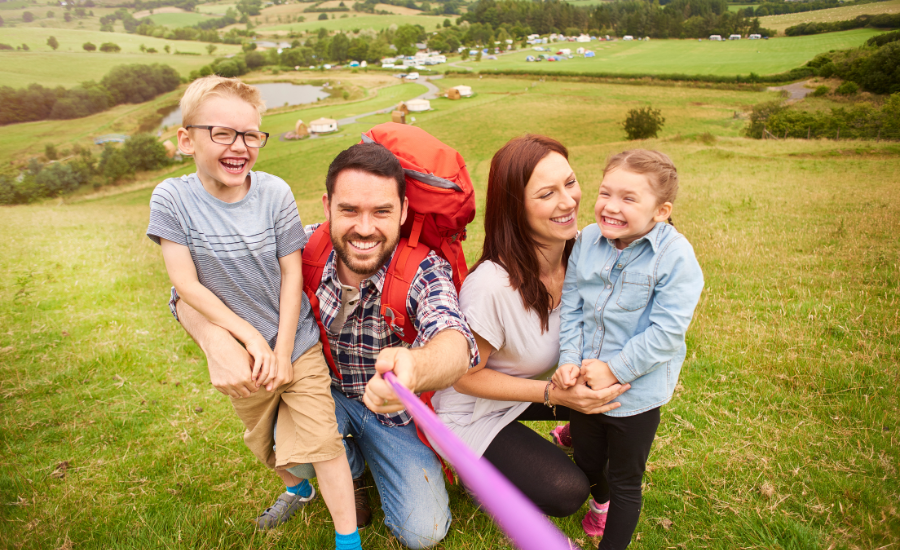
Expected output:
{"points": [[537, 467], [613, 453]]}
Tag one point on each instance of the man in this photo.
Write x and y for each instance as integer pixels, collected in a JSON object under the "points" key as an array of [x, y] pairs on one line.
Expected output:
{"points": [[365, 205]]}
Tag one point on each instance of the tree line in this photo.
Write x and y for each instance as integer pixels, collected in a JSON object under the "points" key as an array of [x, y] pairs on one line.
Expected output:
{"points": [[881, 21], [122, 84], [676, 19]]}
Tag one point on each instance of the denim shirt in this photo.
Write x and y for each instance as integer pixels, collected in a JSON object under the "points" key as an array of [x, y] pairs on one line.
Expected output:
{"points": [[631, 312]]}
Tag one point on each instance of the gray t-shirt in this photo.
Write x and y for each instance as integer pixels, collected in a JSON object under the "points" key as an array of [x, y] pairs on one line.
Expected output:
{"points": [[236, 246]]}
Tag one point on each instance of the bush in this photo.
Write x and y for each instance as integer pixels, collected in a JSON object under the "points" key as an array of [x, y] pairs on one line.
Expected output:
{"points": [[820, 91], [859, 121], [848, 88], [50, 152], [114, 164], [110, 47], [27, 17], [643, 123], [89, 47], [53, 43], [145, 152], [323, 17], [759, 117]]}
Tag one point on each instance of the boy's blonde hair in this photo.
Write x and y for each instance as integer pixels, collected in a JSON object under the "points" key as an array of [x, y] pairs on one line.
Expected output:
{"points": [[217, 86], [658, 167]]}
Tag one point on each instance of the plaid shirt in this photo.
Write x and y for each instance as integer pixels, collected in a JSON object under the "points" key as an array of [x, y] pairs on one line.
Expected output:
{"points": [[432, 302]]}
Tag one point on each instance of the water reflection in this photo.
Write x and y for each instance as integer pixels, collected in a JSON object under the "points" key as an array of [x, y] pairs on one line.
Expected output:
{"points": [[276, 94]]}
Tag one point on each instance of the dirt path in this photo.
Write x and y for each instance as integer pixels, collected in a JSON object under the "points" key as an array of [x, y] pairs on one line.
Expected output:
{"points": [[798, 90]]}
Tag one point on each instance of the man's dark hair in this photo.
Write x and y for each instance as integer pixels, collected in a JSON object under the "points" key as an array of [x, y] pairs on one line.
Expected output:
{"points": [[372, 158]]}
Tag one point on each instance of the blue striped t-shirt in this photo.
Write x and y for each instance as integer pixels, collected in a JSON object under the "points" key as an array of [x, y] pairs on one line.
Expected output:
{"points": [[236, 246]]}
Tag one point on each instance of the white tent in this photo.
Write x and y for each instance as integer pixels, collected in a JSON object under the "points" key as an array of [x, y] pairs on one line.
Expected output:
{"points": [[464, 91], [418, 105], [323, 125]]}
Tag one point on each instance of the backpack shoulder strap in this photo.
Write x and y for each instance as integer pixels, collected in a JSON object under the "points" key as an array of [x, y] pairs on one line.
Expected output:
{"points": [[315, 255]]}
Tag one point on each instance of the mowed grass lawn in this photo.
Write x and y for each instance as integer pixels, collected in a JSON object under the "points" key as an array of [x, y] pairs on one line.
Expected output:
{"points": [[691, 57], [70, 64], [781, 22], [782, 433]]}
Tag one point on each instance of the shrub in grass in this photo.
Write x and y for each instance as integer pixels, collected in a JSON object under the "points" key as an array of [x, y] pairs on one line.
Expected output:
{"points": [[643, 123], [89, 47], [53, 43], [323, 17], [50, 151], [6, 47], [114, 164], [820, 91], [110, 47], [27, 17], [144, 152], [859, 121], [848, 88]]}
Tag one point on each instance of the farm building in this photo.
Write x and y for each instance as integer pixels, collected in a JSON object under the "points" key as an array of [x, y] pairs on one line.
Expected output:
{"points": [[418, 105], [403, 108], [323, 125]]}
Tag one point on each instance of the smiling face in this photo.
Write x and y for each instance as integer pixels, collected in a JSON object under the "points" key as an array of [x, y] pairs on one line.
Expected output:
{"points": [[552, 195], [365, 214], [627, 208], [224, 170]]}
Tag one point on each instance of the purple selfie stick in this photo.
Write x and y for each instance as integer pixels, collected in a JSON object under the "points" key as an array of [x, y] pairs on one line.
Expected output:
{"points": [[514, 513]]}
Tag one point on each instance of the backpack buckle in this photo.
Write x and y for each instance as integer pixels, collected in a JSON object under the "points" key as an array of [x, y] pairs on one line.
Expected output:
{"points": [[392, 319]]}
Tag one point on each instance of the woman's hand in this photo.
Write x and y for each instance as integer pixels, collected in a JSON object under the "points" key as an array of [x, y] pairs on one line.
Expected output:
{"points": [[586, 400]]}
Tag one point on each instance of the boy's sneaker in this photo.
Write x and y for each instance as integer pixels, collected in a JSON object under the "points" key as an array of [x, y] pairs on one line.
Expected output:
{"points": [[284, 509], [594, 521], [562, 436]]}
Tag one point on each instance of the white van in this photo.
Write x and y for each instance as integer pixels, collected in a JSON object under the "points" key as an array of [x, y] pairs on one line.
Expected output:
{"points": [[412, 76], [715, 37]]}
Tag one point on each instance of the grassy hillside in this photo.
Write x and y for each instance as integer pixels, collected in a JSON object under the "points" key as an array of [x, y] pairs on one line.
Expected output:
{"points": [[772, 56], [781, 22], [173, 20], [70, 64], [782, 433], [352, 21]]}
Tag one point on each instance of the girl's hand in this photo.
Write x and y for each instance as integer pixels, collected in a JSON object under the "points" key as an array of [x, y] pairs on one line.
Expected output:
{"points": [[566, 375], [597, 374], [587, 401], [264, 360], [281, 375]]}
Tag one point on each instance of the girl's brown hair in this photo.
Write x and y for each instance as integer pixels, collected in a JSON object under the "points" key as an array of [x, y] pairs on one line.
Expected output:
{"points": [[658, 167], [508, 240]]}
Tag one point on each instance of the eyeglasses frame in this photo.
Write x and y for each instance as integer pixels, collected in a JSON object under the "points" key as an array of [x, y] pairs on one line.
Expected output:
{"points": [[236, 134]]}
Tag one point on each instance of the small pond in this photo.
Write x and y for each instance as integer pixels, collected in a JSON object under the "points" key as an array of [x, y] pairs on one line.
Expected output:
{"points": [[276, 94]]}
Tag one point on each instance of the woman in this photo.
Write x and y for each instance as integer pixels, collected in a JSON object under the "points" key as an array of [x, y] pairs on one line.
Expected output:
{"points": [[511, 300]]}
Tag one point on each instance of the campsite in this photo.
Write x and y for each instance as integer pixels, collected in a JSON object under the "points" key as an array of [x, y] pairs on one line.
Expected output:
{"points": [[783, 432]]}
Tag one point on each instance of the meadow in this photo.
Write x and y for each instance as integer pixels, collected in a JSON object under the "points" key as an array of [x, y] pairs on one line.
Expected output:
{"points": [[781, 22], [782, 433], [690, 57], [183, 19], [352, 21], [70, 64]]}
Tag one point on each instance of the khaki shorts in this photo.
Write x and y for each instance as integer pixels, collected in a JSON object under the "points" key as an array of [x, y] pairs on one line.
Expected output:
{"points": [[307, 429]]}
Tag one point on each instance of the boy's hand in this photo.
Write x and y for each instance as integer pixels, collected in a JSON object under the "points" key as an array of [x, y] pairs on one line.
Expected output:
{"points": [[283, 373], [566, 375], [597, 374], [264, 360]]}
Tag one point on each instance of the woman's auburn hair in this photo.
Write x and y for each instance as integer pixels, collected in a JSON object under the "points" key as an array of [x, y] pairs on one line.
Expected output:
{"points": [[508, 239]]}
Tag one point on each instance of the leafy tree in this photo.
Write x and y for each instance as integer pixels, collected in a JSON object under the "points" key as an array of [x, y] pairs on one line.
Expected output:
{"points": [[89, 47], [50, 152], [643, 123], [139, 83], [254, 59], [249, 7], [323, 16], [168, 48], [145, 152], [67, 17], [49, 14], [210, 48], [52, 42], [1, 21], [27, 17], [114, 164], [110, 47], [339, 46]]}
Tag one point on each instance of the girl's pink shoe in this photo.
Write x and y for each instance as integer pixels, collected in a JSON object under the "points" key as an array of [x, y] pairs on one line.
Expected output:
{"points": [[561, 436], [594, 521]]}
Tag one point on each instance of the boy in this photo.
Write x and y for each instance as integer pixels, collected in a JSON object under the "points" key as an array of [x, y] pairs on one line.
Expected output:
{"points": [[231, 240]]}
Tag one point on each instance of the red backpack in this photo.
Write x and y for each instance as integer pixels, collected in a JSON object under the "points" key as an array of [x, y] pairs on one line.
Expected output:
{"points": [[441, 204]]}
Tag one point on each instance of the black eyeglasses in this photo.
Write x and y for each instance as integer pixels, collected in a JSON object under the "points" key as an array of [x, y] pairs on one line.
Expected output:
{"points": [[227, 136]]}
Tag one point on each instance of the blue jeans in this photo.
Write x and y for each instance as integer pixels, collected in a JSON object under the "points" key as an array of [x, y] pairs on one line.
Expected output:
{"points": [[407, 474]]}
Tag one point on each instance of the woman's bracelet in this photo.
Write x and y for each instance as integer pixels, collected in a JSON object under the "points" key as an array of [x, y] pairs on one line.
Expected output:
{"points": [[547, 396]]}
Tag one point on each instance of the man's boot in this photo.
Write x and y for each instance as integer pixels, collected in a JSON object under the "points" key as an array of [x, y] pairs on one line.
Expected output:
{"points": [[363, 510]]}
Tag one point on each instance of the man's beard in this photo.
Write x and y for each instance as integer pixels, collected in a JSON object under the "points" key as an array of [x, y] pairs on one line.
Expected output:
{"points": [[366, 268]]}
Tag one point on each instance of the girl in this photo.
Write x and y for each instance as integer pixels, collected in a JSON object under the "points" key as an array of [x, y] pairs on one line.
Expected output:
{"points": [[629, 294]]}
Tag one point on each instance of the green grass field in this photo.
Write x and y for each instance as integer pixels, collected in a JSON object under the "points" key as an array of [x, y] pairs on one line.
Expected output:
{"points": [[355, 21], [216, 8], [782, 433], [686, 56], [781, 22], [173, 20], [70, 64]]}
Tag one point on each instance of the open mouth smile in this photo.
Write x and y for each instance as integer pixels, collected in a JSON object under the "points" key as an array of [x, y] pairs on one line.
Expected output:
{"points": [[233, 166], [563, 220], [364, 246], [614, 222]]}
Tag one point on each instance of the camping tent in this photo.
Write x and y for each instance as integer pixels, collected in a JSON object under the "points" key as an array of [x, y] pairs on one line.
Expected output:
{"points": [[323, 125], [418, 105]]}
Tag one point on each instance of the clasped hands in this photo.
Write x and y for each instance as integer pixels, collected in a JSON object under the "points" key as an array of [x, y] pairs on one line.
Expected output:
{"points": [[593, 372]]}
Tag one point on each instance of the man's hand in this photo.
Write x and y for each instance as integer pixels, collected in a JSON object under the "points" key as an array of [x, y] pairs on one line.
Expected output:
{"points": [[283, 374], [597, 374], [566, 375], [380, 397]]}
